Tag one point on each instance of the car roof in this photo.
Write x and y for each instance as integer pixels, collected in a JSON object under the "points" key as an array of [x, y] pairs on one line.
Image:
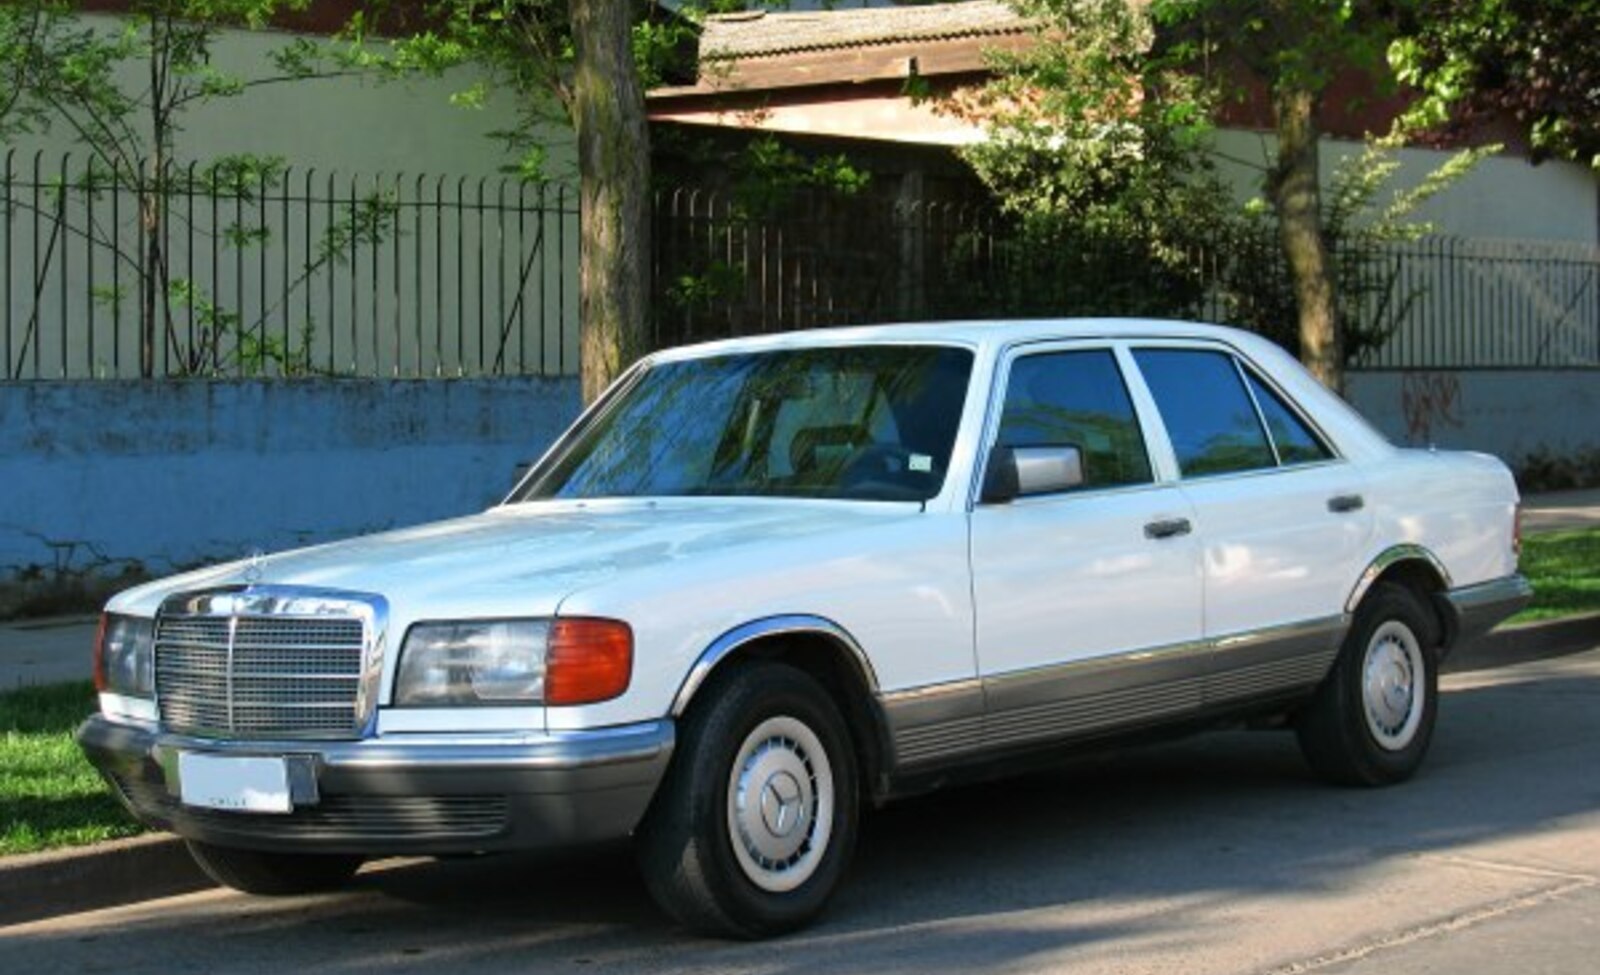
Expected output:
{"points": [[973, 333], [1351, 432]]}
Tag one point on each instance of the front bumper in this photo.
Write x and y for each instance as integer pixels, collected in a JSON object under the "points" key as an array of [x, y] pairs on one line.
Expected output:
{"points": [[401, 794], [1477, 609]]}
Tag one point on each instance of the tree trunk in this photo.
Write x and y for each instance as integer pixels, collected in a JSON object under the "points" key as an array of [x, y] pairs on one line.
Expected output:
{"points": [[152, 277], [614, 172], [1297, 198]]}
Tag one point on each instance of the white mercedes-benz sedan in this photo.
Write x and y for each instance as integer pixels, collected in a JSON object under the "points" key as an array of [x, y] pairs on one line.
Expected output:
{"points": [[762, 583]]}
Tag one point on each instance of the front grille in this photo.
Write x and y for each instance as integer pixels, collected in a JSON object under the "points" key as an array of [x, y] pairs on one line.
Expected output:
{"points": [[397, 819], [260, 676]]}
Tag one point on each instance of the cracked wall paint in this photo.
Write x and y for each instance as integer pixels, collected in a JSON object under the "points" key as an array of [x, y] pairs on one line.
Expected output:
{"points": [[1510, 413], [96, 478]]}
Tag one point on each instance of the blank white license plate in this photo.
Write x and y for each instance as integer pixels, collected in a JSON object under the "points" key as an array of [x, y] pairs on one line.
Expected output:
{"points": [[240, 784]]}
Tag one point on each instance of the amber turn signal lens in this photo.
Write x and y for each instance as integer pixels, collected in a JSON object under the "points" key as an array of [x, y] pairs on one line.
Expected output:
{"points": [[100, 655], [587, 661]]}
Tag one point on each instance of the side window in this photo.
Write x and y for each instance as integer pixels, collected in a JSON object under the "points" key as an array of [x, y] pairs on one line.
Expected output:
{"points": [[1209, 417], [1077, 399], [1295, 442]]}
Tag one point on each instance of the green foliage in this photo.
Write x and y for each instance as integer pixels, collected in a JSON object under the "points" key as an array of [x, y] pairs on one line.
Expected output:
{"points": [[526, 45], [1085, 126], [1534, 61], [121, 89], [1548, 470], [1284, 44], [1095, 152], [27, 32], [1099, 147], [698, 293], [1362, 218], [767, 175]]}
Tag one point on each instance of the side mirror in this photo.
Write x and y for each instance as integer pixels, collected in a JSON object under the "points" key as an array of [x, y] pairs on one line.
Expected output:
{"points": [[1018, 472]]}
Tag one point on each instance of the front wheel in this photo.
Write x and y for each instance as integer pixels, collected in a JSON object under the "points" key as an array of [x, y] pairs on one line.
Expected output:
{"points": [[273, 874], [756, 821], [1372, 719]]}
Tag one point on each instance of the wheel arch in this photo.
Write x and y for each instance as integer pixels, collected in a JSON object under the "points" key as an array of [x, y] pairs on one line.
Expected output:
{"points": [[827, 653], [1419, 570]]}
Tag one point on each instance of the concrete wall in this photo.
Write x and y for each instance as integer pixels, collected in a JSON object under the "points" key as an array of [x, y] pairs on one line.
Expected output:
{"points": [[97, 476], [1504, 197], [348, 124], [1507, 412]]}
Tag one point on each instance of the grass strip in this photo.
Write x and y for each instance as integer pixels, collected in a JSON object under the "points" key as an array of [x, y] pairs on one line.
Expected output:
{"points": [[1564, 568], [50, 796]]}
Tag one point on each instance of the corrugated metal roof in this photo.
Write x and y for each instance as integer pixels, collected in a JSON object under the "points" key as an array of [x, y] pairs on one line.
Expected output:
{"points": [[759, 34]]}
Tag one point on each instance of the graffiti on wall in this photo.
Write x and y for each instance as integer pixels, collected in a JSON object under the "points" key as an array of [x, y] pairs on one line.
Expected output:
{"points": [[1429, 401]]}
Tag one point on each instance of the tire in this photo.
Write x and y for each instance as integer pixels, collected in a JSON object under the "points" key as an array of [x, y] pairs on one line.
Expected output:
{"points": [[1372, 718], [754, 826], [273, 874]]}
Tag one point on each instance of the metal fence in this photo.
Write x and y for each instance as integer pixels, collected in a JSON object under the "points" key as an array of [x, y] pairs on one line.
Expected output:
{"points": [[116, 273], [107, 273], [725, 268], [1493, 304]]}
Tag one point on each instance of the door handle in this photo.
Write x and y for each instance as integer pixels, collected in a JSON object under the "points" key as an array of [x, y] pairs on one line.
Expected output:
{"points": [[1341, 504], [1167, 528]]}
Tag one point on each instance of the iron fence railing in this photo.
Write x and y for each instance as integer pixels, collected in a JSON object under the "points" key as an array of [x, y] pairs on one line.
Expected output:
{"points": [[723, 268], [107, 273], [1493, 304], [193, 271]]}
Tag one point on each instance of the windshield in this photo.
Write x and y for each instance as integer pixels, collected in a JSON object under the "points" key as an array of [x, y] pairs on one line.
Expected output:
{"points": [[872, 423]]}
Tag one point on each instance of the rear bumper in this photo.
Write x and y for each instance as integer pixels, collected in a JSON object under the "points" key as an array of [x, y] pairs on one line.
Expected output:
{"points": [[1477, 609], [404, 793]]}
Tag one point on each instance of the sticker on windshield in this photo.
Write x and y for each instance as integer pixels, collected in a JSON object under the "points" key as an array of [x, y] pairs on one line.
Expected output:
{"points": [[920, 462]]}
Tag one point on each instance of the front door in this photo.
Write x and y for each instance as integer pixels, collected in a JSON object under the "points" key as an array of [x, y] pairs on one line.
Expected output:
{"points": [[1088, 601]]}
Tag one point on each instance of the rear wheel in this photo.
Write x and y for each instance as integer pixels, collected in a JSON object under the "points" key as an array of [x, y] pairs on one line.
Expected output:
{"points": [[755, 823], [1372, 719], [273, 874]]}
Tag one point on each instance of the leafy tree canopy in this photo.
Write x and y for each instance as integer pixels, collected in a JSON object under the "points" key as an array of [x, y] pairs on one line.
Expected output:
{"points": [[1534, 61]]}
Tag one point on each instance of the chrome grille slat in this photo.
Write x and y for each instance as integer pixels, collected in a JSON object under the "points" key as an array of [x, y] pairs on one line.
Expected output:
{"points": [[256, 675]]}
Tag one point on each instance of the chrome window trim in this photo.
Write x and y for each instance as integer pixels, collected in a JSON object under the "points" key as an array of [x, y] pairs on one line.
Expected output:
{"points": [[297, 602], [739, 636], [1233, 356], [989, 432], [1255, 372], [1261, 415], [1242, 359]]}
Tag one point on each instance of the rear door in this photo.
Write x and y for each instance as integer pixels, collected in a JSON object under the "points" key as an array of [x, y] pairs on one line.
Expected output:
{"points": [[1282, 519]]}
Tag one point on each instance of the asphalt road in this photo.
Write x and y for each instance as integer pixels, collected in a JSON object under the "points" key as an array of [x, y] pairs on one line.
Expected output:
{"points": [[1216, 855]]}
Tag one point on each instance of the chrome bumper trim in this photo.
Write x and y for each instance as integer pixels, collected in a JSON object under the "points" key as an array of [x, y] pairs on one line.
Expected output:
{"points": [[557, 789]]}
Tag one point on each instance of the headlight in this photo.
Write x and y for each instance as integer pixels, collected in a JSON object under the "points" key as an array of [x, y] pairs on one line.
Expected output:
{"points": [[487, 662], [124, 656]]}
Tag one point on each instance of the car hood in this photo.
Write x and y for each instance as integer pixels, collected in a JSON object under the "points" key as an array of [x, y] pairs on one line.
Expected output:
{"points": [[524, 559]]}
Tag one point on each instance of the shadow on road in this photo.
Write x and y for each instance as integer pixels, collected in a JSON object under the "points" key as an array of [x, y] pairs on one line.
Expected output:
{"points": [[967, 878]]}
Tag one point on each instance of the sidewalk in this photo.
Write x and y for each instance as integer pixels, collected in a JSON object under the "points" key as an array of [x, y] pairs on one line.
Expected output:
{"points": [[46, 651], [1560, 511]]}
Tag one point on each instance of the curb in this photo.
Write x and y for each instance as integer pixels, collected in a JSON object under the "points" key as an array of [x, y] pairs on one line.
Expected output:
{"points": [[44, 885], [36, 886], [1527, 642]]}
